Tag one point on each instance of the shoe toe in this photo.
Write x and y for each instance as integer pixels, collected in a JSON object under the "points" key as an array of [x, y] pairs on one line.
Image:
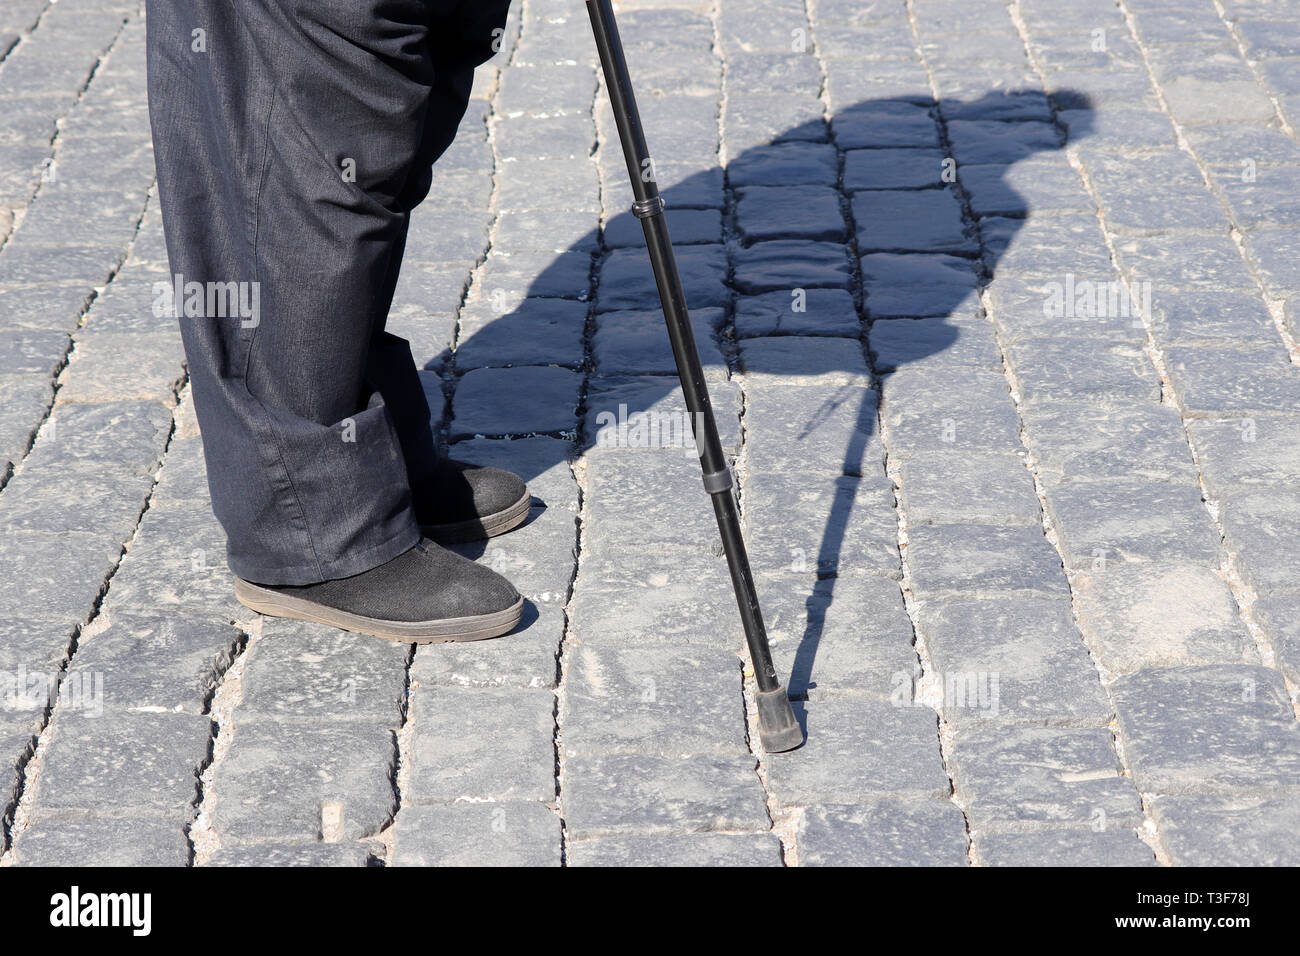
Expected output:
{"points": [[467, 588], [494, 489]]}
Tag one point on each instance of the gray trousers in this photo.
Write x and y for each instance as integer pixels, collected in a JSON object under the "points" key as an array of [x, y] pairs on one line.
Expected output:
{"points": [[292, 140]]}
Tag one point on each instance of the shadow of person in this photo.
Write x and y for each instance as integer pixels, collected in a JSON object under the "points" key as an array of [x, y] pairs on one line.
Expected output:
{"points": [[789, 287]]}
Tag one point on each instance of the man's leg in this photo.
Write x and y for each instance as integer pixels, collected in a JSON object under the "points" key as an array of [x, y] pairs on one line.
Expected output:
{"points": [[452, 501], [292, 140], [289, 139]]}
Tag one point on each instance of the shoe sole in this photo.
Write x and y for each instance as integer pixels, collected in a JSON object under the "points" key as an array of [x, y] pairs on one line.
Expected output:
{"points": [[479, 627], [488, 526]]}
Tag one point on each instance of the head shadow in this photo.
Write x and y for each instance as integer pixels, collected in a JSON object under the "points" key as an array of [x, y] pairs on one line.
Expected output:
{"points": [[788, 285]]}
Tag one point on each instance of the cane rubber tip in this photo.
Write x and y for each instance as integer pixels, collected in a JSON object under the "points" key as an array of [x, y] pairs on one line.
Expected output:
{"points": [[778, 730]]}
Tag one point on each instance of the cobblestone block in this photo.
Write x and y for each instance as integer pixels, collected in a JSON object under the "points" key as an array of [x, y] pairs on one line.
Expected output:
{"points": [[762, 72], [165, 570], [1032, 247], [1279, 620], [696, 849], [859, 751], [800, 312], [550, 230], [1231, 381], [789, 212], [1160, 615], [959, 410], [811, 360], [169, 663], [1050, 370], [1192, 99], [927, 220], [123, 761], [104, 841], [882, 123], [892, 169], [659, 601], [979, 559], [825, 526], [1208, 729], [45, 305], [626, 281], [28, 398], [1275, 253], [991, 141], [785, 164], [289, 854], [566, 275], [122, 366], [636, 343], [482, 743], [1021, 778], [648, 413], [934, 342], [544, 185], [1262, 527], [34, 645], [312, 671], [1186, 263], [53, 576], [1132, 520], [43, 498], [524, 658], [1240, 454], [887, 833], [800, 430], [477, 834], [287, 782], [627, 794], [516, 401], [623, 700], [538, 331], [1230, 144], [539, 138], [106, 438], [568, 87], [447, 238], [1066, 306], [1084, 441], [786, 264], [1063, 848], [1269, 199], [630, 495], [913, 286], [1030, 187], [1243, 830], [1011, 660], [760, 119], [33, 351], [956, 487], [847, 636]]}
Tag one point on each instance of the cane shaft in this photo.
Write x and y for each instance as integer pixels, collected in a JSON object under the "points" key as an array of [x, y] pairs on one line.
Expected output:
{"points": [[649, 208]]}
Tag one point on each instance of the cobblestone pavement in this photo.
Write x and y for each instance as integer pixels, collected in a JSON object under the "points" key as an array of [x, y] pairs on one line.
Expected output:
{"points": [[1000, 306]]}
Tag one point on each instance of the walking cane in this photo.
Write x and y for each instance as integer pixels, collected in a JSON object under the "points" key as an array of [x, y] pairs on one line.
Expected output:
{"points": [[777, 728]]}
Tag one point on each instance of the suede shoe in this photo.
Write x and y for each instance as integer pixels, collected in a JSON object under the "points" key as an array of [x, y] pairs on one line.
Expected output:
{"points": [[464, 502], [424, 595]]}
